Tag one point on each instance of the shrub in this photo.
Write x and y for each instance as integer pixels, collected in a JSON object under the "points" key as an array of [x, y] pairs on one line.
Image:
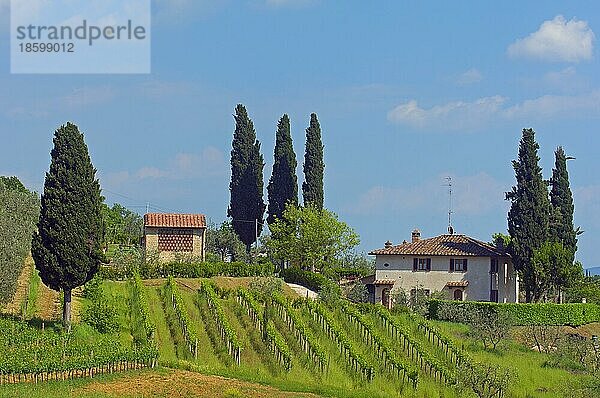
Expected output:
{"points": [[572, 314], [101, 314], [308, 279], [148, 267]]}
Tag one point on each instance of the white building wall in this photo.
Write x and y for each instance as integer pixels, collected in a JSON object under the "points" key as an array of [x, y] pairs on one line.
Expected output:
{"points": [[400, 269]]}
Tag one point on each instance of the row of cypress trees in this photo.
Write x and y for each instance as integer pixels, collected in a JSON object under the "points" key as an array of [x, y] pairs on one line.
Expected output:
{"points": [[247, 206], [536, 215]]}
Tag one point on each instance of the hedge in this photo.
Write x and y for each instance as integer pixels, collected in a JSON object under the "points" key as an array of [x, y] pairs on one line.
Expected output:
{"points": [[571, 314], [191, 270], [308, 279]]}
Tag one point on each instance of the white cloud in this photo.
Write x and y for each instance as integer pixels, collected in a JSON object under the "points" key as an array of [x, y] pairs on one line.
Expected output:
{"points": [[473, 115], [553, 106], [184, 166], [455, 115], [473, 195], [471, 76], [556, 40]]}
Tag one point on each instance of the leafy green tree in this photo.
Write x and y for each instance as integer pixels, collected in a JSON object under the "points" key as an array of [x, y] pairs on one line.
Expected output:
{"points": [[224, 243], [19, 210], [123, 226], [561, 216], [13, 184], [310, 238], [283, 185], [67, 247], [587, 288], [246, 207], [554, 269], [314, 168], [528, 214]]}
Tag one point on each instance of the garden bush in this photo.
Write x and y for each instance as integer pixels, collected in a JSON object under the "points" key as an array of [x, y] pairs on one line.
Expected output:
{"points": [[148, 267], [308, 279], [571, 314]]}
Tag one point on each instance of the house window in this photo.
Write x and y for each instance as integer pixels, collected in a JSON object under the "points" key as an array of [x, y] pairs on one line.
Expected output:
{"points": [[422, 264], [458, 264], [494, 296], [494, 266]]}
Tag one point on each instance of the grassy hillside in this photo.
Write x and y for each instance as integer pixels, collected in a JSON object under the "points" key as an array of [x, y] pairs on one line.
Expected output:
{"points": [[215, 373]]}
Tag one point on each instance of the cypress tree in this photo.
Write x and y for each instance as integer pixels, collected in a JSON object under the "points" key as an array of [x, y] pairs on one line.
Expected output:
{"points": [[312, 187], [66, 247], [562, 229], [528, 216], [246, 207], [283, 185]]}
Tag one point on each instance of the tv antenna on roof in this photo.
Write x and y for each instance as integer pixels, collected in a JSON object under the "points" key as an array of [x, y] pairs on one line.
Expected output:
{"points": [[449, 185]]}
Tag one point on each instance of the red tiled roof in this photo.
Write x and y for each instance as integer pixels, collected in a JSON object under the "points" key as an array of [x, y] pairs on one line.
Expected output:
{"points": [[444, 245], [171, 220], [458, 284]]}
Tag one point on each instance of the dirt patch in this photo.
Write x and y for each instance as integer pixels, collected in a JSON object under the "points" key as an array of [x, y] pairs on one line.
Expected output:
{"points": [[179, 383], [47, 303]]}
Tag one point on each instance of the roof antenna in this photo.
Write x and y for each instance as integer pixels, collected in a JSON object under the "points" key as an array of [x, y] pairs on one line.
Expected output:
{"points": [[449, 185]]}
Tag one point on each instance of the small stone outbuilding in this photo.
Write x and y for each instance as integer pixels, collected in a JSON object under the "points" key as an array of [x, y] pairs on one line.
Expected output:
{"points": [[171, 234]]}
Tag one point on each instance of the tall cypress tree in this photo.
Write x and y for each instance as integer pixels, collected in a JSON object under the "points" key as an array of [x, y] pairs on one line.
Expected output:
{"points": [[312, 187], [283, 185], [528, 216], [562, 229], [246, 207], [66, 248]]}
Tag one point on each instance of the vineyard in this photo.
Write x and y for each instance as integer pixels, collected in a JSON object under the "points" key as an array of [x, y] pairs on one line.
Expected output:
{"points": [[231, 330]]}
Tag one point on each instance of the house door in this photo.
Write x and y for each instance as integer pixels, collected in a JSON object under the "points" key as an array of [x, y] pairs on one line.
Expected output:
{"points": [[385, 297], [458, 295]]}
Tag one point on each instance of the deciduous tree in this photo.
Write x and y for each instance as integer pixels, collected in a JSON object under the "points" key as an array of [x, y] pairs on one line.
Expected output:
{"points": [[310, 238], [67, 246], [19, 210]]}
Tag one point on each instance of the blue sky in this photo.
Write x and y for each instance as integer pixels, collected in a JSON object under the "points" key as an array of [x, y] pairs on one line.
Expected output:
{"points": [[406, 93]]}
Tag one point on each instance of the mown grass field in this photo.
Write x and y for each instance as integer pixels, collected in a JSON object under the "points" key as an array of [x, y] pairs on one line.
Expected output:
{"points": [[214, 374]]}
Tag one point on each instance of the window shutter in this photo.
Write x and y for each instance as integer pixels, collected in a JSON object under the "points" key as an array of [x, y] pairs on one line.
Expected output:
{"points": [[415, 264], [451, 265], [465, 265], [428, 264]]}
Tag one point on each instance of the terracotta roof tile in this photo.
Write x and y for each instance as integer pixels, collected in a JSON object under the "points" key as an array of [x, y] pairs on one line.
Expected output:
{"points": [[171, 220], [444, 245]]}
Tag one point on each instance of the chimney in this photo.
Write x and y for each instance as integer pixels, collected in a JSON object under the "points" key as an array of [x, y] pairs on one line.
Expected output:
{"points": [[388, 244], [416, 236], [499, 243]]}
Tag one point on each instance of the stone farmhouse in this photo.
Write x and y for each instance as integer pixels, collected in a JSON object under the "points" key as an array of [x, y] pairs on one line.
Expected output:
{"points": [[462, 267], [172, 234]]}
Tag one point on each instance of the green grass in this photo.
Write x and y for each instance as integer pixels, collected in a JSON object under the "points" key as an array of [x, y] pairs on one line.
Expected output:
{"points": [[258, 365], [532, 378], [33, 289]]}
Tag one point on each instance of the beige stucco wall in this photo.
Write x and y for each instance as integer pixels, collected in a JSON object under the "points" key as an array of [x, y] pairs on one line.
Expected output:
{"points": [[199, 244], [478, 275]]}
